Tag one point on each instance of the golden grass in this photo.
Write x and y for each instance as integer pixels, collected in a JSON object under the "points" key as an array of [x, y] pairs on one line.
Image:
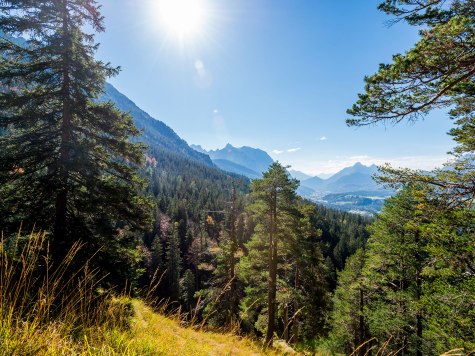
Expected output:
{"points": [[116, 326], [154, 334]]}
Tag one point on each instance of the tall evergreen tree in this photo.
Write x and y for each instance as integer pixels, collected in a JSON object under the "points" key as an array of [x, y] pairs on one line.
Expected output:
{"points": [[66, 162], [275, 209]]}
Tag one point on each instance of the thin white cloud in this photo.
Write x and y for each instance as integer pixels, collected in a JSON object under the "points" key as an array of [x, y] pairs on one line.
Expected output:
{"points": [[323, 138], [277, 152], [334, 165], [215, 111], [292, 150]]}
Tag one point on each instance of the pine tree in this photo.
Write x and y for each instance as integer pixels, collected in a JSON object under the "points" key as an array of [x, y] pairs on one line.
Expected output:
{"points": [[438, 72], [67, 165], [275, 209]]}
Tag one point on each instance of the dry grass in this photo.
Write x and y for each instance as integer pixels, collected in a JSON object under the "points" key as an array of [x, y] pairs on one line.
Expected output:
{"points": [[154, 334], [49, 314]]}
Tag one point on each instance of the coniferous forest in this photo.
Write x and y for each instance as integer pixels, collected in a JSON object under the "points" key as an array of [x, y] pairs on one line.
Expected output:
{"points": [[96, 218]]}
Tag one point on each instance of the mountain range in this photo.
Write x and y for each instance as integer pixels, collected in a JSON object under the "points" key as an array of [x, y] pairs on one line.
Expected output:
{"points": [[252, 162], [350, 179], [352, 188], [216, 166], [247, 161]]}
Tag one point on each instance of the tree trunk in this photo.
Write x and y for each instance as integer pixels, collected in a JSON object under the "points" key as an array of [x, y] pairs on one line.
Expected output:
{"points": [[271, 295], [418, 296], [64, 151], [362, 335], [233, 256], [286, 322], [295, 322]]}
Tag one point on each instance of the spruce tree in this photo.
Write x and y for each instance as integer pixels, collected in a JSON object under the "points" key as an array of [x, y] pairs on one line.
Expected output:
{"points": [[66, 162], [349, 327], [396, 255]]}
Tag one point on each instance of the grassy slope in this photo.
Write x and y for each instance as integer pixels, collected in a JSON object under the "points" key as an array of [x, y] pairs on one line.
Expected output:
{"points": [[155, 334], [149, 334], [115, 326]]}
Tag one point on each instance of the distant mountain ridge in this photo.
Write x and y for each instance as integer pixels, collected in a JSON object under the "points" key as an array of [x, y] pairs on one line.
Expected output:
{"points": [[240, 160], [352, 188], [299, 175], [350, 179]]}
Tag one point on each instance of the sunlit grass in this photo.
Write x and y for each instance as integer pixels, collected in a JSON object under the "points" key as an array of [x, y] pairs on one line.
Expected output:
{"points": [[47, 313]]}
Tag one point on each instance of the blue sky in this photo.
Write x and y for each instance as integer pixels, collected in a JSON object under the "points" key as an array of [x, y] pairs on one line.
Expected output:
{"points": [[272, 74]]}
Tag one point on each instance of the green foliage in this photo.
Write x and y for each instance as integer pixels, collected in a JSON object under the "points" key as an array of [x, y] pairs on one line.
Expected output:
{"points": [[438, 72], [185, 189], [284, 270], [349, 328], [418, 271], [275, 210], [397, 252], [173, 263], [342, 234], [449, 294], [188, 289], [416, 279], [67, 165], [222, 293]]}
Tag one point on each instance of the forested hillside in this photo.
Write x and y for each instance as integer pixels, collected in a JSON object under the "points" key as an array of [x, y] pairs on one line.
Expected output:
{"points": [[154, 133]]}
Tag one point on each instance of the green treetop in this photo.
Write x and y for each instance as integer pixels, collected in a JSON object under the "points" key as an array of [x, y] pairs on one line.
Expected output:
{"points": [[67, 165]]}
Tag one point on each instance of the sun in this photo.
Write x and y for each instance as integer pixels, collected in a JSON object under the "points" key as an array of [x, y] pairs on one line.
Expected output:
{"points": [[184, 18]]}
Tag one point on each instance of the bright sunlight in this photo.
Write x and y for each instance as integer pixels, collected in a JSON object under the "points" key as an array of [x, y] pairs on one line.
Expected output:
{"points": [[184, 18]]}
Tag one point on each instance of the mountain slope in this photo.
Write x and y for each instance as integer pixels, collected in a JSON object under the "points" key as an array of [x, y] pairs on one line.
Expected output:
{"points": [[154, 132], [315, 183], [232, 167], [254, 159], [155, 334], [299, 175], [182, 181], [350, 179]]}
